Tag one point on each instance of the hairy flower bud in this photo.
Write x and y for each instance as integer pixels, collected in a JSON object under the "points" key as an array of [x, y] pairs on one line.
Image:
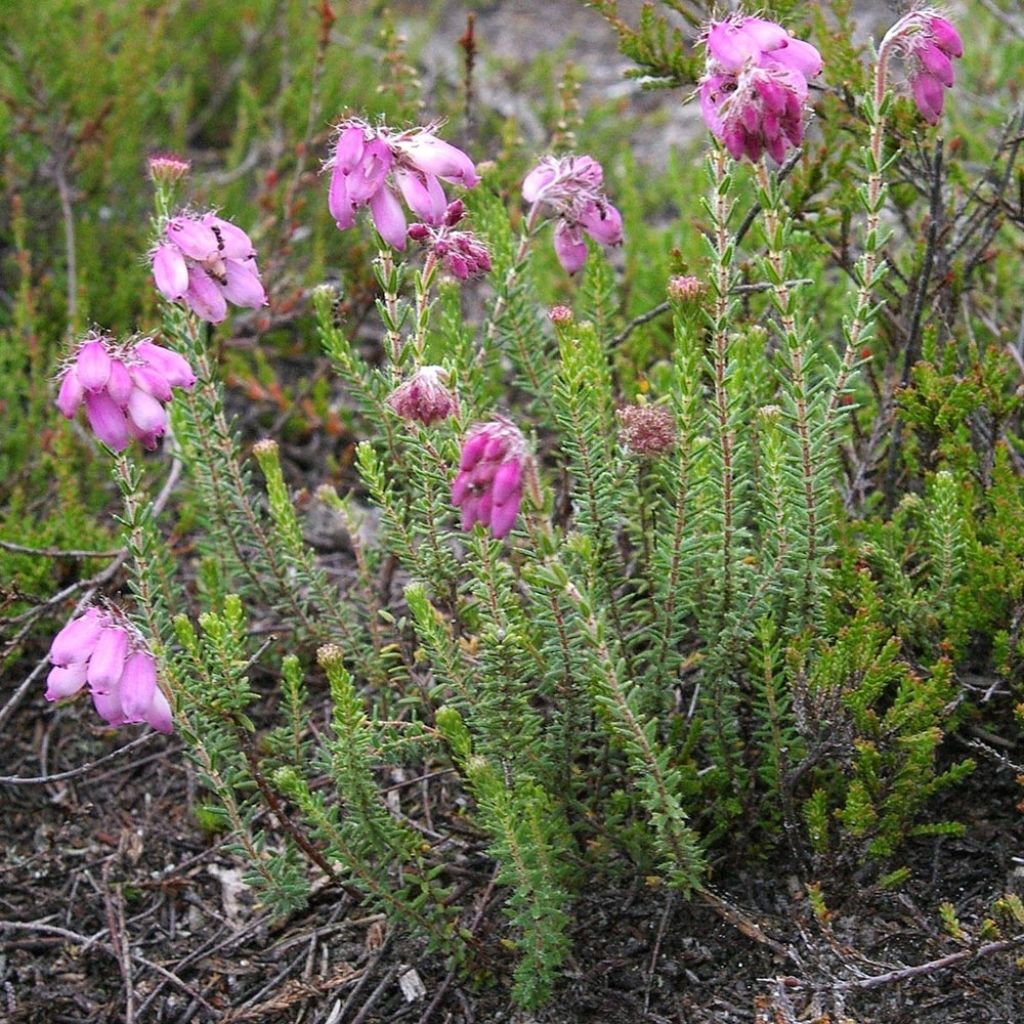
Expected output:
{"points": [[166, 168], [425, 397], [685, 289], [647, 430]]}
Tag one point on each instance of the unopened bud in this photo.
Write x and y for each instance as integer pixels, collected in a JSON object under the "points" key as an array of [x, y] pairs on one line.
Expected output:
{"points": [[647, 430], [166, 168]]}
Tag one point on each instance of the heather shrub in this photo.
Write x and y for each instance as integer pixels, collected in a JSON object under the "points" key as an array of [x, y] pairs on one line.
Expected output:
{"points": [[681, 515]]}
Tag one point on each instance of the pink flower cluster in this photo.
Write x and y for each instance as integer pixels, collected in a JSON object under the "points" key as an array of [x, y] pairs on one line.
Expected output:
{"points": [[572, 187], [928, 45], [373, 166], [461, 253], [100, 649], [425, 397], [492, 469], [207, 262], [754, 87], [123, 387]]}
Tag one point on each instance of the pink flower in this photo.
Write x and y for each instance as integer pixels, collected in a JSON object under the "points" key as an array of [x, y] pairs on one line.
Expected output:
{"points": [[124, 387], [207, 262], [928, 45], [572, 187], [492, 472], [101, 648], [461, 253], [754, 87], [381, 168], [425, 397]]}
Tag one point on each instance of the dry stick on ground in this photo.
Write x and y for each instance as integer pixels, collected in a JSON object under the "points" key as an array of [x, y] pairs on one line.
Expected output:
{"points": [[40, 780], [86, 940]]}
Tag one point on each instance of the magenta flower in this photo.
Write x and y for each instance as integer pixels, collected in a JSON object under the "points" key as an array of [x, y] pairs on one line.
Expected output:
{"points": [[379, 167], [492, 472], [207, 262], [425, 397], [754, 87], [124, 388], [928, 45], [572, 187], [102, 650], [461, 253]]}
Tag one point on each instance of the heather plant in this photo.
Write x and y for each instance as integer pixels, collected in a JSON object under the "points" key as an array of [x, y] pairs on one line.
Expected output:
{"points": [[647, 588]]}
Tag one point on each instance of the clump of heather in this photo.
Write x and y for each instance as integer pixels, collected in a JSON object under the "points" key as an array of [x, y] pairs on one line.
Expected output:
{"points": [[425, 397], [207, 262], [101, 650], [492, 473], [754, 87], [571, 189], [380, 167], [124, 387]]}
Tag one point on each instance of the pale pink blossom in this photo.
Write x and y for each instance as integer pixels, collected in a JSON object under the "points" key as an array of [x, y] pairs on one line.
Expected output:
{"points": [[494, 468], [207, 262], [928, 45], [572, 189], [425, 397], [754, 89], [381, 167], [102, 650], [123, 386]]}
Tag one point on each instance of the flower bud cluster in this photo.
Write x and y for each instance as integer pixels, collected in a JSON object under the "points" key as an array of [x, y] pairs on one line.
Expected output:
{"points": [[461, 253], [928, 45], [425, 397], [99, 649], [124, 388]]}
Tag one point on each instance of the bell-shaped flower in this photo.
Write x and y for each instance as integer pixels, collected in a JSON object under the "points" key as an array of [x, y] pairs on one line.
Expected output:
{"points": [[493, 469], [207, 262], [754, 88], [928, 44], [123, 386], [571, 188], [379, 167]]}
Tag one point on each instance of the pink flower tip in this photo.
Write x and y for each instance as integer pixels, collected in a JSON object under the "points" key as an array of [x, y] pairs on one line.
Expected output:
{"points": [[425, 397], [493, 469]]}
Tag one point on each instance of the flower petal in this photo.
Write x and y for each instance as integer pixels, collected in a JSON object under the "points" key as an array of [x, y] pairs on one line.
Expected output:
{"points": [[193, 237], [146, 412], [537, 180], [170, 272], [503, 514], [603, 223], [69, 397], [242, 285], [204, 297], [570, 248], [119, 386], [507, 481], [423, 195], [151, 382], [65, 682], [107, 420], [93, 365], [108, 658], [138, 685], [388, 217], [338, 201], [158, 715], [171, 366], [435, 156], [235, 244], [349, 150], [77, 639]]}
